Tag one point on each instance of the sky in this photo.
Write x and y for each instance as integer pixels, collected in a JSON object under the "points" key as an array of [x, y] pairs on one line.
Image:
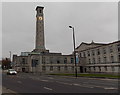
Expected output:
{"points": [[92, 21]]}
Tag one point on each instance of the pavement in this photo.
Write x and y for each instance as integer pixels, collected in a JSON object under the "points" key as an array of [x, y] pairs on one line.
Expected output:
{"points": [[7, 90]]}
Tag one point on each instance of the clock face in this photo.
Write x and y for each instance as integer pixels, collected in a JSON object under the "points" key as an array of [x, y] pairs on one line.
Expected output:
{"points": [[40, 18]]}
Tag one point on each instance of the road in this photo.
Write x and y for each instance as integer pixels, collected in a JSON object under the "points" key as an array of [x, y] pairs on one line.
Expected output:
{"points": [[32, 83]]}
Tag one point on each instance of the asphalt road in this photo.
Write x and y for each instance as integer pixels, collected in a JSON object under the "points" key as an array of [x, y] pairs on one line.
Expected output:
{"points": [[30, 83]]}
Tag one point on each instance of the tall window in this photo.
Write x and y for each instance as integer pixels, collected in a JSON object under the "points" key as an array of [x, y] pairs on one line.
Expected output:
{"points": [[58, 68], [99, 60], [98, 51], [72, 60], [66, 68], [119, 58], [99, 68], [89, 61], [111, 49], [93, 60], [51, 60], [80, 55], [65, 60], [105, 59], [93, 53], [43, 68], [84, 54], [72, 68], [88, 53], [58, 60], [105, 68], [43, 60], [112, 59], [104, 50], [51, 68], [118, 46], [23, 60], [113, 68]]}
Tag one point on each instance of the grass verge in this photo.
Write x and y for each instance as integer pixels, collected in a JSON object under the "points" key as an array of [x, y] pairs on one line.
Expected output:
{"points": [[89, 75]]}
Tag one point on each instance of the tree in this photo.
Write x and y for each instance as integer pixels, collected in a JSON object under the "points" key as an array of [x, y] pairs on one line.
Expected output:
{"points": [[6, 63]]}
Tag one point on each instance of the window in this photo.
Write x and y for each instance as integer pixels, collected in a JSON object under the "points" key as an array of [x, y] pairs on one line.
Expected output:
{"points": [[89, 61], [34, 62], [80, 55], [99, 60], [88, 53], [84, 54], [43, 68], [23, 60], [51, 68], [93, 60], [118, 46], [66, 68], [72, 60], [104, 50], [105, 68], [72, 68], [51, 60], [89, 68], [113, 68], [98, 51], [99, 68], [111, 49], [105, 59], [43, 60], [119, 58], [65, 60], [94, 68], [58, 68], [58, 61], [93, 53], [112, 59]]}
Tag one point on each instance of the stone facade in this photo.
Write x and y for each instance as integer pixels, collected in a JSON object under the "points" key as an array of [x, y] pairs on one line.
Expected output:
{"points": [[97, 57], [44, 63]]}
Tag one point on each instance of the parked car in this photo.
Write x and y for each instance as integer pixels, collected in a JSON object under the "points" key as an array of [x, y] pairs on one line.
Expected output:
{"points": [[11, 72]]}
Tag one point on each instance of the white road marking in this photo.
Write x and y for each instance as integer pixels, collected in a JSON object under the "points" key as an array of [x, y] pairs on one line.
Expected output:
{"points": [[63, 83], [88, 86], [110, 88], [44, 80], [47, 88], [110, 79], [104, 87]]}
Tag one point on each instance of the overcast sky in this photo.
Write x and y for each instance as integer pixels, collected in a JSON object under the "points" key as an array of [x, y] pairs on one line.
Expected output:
{"points": [[92, 21]]}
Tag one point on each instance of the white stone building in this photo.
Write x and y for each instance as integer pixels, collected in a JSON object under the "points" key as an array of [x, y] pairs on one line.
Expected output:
{"points": [[99, 57], [93, 57]]}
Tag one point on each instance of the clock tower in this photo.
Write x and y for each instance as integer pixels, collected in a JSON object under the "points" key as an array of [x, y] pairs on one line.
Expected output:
{"points": [[39, 44]]}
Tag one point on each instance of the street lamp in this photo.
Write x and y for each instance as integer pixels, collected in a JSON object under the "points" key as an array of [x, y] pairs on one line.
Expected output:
{"points": [[10, 55], [74, 51]]}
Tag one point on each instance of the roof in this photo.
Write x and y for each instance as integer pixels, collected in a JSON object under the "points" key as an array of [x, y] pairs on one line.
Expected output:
{"points": [[39, 7], [98, 44], [92, 43]]}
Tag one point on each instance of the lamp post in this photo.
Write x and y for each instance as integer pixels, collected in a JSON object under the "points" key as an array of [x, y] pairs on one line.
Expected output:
{"points": [[10, 55], [74, 51]]}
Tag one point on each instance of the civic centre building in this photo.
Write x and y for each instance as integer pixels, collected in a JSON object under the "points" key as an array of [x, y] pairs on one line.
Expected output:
{"points": [[93, 57], [99, 57]]}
